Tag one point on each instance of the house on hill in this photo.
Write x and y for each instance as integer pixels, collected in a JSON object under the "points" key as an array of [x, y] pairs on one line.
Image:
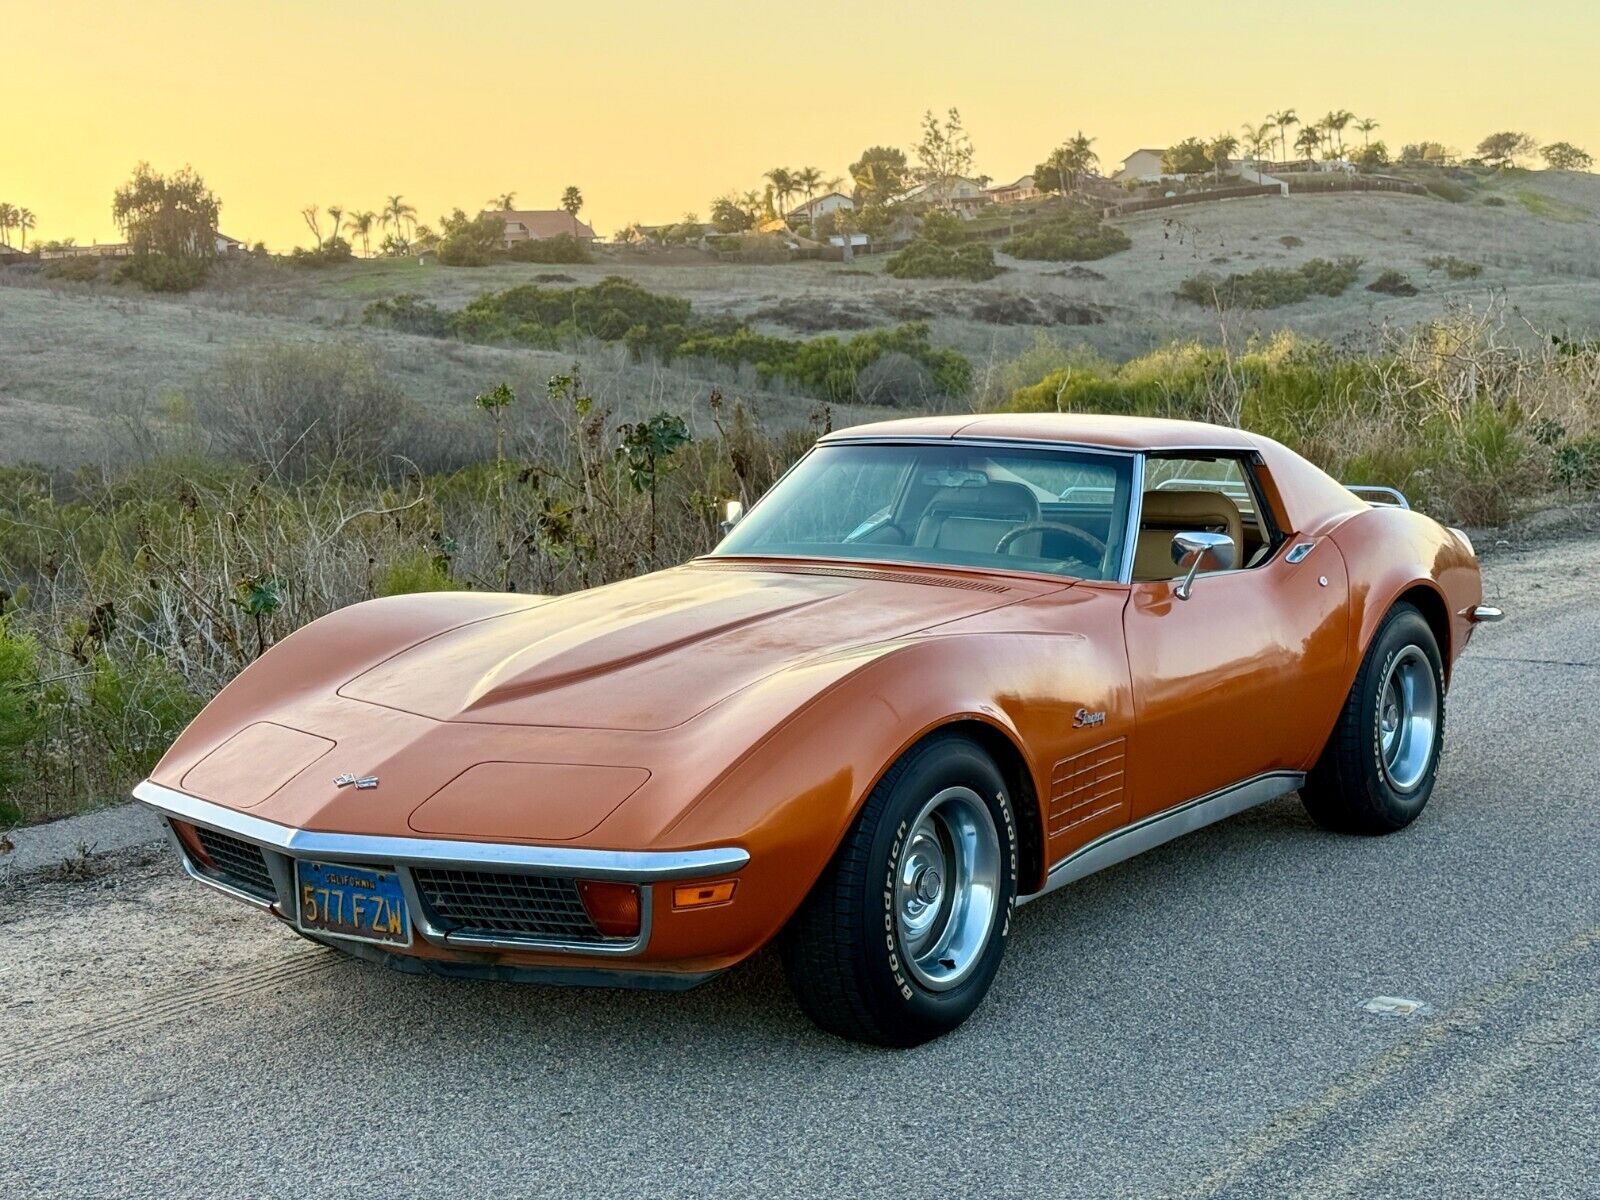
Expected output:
{"points": [[1019, 192], [821, 206], [1142, 166], [532, 225], [965, 196]]}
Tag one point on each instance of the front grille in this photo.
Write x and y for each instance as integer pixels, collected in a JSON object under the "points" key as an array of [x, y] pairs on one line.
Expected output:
{"points": [[490, 903], [238, 863]]}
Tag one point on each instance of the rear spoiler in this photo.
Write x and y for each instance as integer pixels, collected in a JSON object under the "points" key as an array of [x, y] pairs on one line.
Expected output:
{"points": [[1374, 494]]}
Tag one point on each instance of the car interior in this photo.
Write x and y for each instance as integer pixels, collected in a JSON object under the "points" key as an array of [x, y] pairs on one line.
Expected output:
{"points": [[1060, 512]]}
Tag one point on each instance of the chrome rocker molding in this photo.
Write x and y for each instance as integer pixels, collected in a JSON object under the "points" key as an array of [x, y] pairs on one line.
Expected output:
{"points": [[1485, 614], [1122, 844], [403, 853]]}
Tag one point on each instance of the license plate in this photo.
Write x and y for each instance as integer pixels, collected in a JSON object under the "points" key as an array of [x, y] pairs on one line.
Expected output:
{"points": [[352, 902]]}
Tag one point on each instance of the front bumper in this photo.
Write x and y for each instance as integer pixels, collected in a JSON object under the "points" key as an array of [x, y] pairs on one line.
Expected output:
{"points": [[282, 845]]}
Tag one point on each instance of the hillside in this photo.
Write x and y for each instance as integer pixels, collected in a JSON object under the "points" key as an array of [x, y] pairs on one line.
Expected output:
{"points": [[86, 369]]}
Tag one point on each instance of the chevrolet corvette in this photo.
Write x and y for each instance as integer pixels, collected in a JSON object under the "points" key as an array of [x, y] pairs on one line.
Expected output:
{"points": [[945, 666]]}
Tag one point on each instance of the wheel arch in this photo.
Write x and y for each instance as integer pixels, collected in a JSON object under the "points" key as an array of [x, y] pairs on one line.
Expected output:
{"points": [[1013, 765], [1429, 601]]}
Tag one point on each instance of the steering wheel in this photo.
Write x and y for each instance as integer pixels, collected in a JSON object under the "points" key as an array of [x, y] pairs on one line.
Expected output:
{"points": [[1096, 548]]}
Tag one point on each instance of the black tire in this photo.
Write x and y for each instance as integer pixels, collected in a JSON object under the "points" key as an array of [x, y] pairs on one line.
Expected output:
{"points": [[1349, 790], [843, 951]]}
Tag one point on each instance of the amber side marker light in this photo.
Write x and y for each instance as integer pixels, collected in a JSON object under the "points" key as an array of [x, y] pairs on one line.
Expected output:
{"points": [[613, 907], [702, 895]]}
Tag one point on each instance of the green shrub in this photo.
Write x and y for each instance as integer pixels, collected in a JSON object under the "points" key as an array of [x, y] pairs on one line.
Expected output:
{"points": [[1272, 287], [938, 260], [939, 251], [1392, 283], [134, 709], [1447, 189], [1577, 463], [162, 273], [21, 713], [1494, 201], [409, 313], [331, 253], [563, 248], [1076, 237], [73, 270], [830, 368], [531, 314], [471, 241], [420, 571], [1455, 268]]}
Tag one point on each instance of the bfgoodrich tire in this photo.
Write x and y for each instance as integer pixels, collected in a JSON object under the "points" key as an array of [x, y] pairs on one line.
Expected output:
{"points": [[901, 937], [1377, 771]]}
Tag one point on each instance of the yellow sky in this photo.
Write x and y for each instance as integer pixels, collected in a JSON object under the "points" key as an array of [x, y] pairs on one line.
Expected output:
{"points": [[653, 108]]}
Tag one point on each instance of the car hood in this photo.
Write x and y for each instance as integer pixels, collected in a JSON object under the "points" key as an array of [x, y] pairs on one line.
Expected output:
{"points": [[654, 652]]}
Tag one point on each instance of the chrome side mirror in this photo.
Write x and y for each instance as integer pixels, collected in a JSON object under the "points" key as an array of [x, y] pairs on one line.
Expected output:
{"points": [[732, 514], [1219, 546]]}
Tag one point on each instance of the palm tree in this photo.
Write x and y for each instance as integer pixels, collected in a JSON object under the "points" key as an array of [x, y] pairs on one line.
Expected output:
{"points": [[505, 201], [751, 203], [807, 180], [572, 201], [1366, 125], [25, 221], [1078, 157], [397, 212], [1258, 136], [1282, 122], [1334, 124], [783, 185], [8, 218], [1309, 141], [1221, 149], [361, 225], [336, 211]]}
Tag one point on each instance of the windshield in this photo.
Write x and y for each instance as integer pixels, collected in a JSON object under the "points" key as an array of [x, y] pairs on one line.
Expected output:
{"points": [[1063, 512]]}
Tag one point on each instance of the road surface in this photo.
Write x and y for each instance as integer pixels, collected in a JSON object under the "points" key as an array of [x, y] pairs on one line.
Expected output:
{"points": [[1189, 1024]]}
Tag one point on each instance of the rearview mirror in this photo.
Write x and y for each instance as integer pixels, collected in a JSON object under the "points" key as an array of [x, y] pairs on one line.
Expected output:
{"points": [[732, 513], [1200, 544]]}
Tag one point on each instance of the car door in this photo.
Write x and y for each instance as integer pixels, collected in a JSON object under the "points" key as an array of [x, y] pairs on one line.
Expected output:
{"points": [[1232, 682]]}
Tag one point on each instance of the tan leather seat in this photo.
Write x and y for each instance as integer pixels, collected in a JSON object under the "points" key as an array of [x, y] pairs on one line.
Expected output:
{"points": [[1167, 513], [973, 519]]}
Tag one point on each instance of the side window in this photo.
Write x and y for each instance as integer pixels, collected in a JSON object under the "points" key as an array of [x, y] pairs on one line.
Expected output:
{"points": [[1216, 494]]}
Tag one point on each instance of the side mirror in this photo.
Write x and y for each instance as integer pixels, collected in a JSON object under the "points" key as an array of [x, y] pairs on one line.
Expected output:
{"points": [[732, 514], [1199, 544]]}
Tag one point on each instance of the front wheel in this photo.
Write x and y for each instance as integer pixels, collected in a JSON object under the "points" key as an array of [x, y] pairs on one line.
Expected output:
{"points": [[900, 939], [1377, 771]]}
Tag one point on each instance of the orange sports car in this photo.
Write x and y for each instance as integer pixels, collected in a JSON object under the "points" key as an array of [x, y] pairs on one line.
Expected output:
{"points": [[945, 666]]}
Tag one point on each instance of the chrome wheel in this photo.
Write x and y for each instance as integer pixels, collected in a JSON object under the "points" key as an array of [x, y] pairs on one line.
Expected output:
{"points": [[947, 888], [1408, 718]]}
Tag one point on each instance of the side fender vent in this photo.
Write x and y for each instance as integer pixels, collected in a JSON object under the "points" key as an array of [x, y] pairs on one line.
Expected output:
{"points": [[1087, 785]]}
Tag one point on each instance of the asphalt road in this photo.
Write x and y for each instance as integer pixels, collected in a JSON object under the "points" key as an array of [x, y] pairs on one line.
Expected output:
{"points": [[1188, 1024]]}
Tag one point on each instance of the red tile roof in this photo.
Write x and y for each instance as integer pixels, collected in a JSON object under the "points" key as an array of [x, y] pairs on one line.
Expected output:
{"points": [[544, 223]]}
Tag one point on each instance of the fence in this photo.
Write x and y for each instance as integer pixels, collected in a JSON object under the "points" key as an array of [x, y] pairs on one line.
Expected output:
{"points": [[1352, 183], [1233, 193]]}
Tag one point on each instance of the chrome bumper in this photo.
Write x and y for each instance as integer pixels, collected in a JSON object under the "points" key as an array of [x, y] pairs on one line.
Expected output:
{"points": [[284, 844]]}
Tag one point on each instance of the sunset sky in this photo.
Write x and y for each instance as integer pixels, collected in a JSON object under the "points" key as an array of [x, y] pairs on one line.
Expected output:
{"points": [[653, 109]]}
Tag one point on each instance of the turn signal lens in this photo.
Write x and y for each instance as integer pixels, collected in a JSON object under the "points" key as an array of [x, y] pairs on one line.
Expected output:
{"points": [[702, 895], [191, 843], [613, 907]]}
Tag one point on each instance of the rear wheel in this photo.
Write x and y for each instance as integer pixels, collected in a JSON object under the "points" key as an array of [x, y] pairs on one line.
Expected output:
{"points": [[900, 939], [1377, 771]]}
